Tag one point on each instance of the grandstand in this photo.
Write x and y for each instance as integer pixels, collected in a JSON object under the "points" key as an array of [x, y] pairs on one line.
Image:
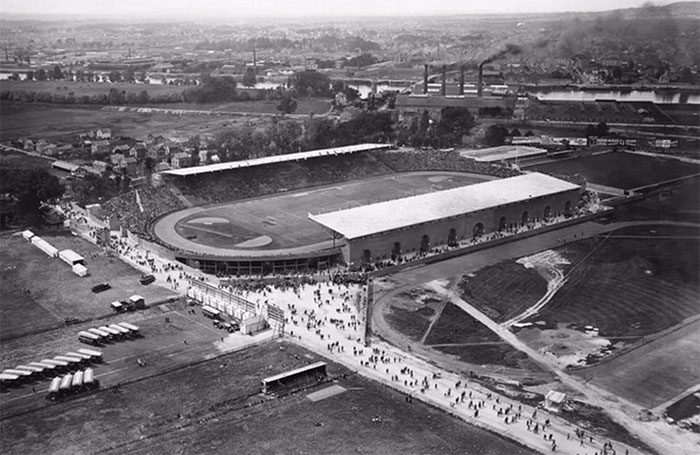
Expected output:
{"points": [[418, 223]]}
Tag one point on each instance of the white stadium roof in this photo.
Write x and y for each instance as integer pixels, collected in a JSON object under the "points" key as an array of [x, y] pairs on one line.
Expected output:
{"points": [[275, 159], [400, 213]]}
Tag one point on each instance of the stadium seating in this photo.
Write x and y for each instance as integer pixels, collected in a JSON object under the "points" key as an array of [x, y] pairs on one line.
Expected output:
{"points": [[155, 201], [435, 160]]}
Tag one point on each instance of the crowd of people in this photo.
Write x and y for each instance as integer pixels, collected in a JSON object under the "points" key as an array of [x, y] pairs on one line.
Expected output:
{"points": [[436, 160], [274, 178], [155, 201]]}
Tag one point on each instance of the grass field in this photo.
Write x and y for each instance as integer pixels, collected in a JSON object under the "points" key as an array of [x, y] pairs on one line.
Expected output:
{"points": [[17, 160], [620, 169], [214, 407], [65, 122], [504, 290], [681, 202], [39, 292], [635, 283], [245, 220]]}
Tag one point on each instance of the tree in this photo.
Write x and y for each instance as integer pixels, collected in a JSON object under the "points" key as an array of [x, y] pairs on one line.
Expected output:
{"points": [[31, 188], [310, 83], [601, 129], [41, 75], [30, 75], [116, 97], [495, 135], [212, 89], [455, 122], [249, 78], [143, 97], [115, 76], [57, 74], [287, 104]]}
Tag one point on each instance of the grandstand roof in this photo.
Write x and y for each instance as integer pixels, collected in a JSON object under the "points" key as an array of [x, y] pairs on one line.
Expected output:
{"points": [[503, 152], [400, 213], [276, 159]]}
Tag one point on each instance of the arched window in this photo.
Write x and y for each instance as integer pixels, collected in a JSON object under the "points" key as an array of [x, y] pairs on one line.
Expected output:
{"points": [[396, 251], [547, 212], [366, 256], [525, 218], [424, 243], [502, 224], [452, 237], [478, 230]]}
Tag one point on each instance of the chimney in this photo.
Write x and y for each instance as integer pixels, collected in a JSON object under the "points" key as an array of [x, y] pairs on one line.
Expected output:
{"points": [[480, 81], [443, 88], [425, 79], [461, 80]]}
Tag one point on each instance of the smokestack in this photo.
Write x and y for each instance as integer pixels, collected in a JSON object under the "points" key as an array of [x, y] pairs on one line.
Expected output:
{"points": [[443, 87], [255, 63], [461, 80], [425, 79], [480, 81]]}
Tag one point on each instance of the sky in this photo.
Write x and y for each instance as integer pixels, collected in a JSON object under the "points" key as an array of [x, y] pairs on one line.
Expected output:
{"points": [[299, 8]]}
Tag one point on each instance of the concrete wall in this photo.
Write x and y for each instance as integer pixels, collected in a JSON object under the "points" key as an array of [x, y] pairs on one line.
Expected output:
{"points": [[410, 239]]}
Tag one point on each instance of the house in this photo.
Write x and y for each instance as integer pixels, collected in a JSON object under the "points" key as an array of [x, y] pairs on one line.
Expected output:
{"points": [[50, 150], [203, 155], [121, 148], [117, 159], [554, 401], [99, 166], [161, 166], [158, 152], [138, 151], [100, 148], [65, 148], [104, 133], [180, 159], [131, 166]]}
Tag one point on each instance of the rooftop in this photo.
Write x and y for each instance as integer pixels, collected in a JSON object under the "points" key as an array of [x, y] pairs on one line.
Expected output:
{"points": [[503, 152], [400, 213], [276, 159]]}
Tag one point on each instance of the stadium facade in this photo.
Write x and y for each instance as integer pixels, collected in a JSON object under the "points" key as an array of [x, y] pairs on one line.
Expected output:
{"points": [[419, 223]]}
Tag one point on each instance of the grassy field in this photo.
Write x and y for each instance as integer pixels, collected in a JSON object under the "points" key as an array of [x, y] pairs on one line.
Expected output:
{"points": [[39, 292], [504, 290], [17, 160], [214, 407], [620, 169], [459, 334], [247, 219], [681, 202], [639, 281], [65, 122]]}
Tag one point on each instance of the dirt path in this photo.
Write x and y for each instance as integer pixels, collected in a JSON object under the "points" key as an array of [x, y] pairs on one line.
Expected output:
{"points": [[658, 435]]}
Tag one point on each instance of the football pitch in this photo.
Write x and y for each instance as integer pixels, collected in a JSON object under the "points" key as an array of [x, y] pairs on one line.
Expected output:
{"points": [[620, 169], [281, 221]]}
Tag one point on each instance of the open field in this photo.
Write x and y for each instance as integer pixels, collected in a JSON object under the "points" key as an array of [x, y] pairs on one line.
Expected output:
{"points": [[680, 202], [17, 160], [305, 106], [620, 169], [215, 407], [504, 290], [638, 281], [53, 121], [284, 217], [654, 372], [39, 292]]}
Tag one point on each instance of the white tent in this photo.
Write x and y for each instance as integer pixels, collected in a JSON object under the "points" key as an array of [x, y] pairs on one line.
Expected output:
{"points": [[80, 270], [45, 246], [70, 257]]}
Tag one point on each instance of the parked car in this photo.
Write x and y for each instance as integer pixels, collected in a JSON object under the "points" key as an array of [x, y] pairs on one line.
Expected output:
{"points": [[147, 279], [101, 287]]}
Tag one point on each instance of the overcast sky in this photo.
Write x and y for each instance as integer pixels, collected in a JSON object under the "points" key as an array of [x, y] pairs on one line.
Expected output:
{"points": [[299, 8]]}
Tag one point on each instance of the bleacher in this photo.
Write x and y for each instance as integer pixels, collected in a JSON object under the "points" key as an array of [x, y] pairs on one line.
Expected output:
{"points": [[155, 201]]}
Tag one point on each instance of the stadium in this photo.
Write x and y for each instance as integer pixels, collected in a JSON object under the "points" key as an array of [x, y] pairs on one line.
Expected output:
{"points": [[351, 205]]}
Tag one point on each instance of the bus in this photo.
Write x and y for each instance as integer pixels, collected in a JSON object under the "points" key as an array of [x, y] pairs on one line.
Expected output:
{"points": [[131, 327], [211, 312], [89, 380], [120, 329], [71, 361], [59, 364], [77, 381], [54, 388], [104, 336], [85, 357], [48, 368], [89, 338], [36, 371], [21, 374], [8, 379], [66, 381], [114, 333], [95, 355]]}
